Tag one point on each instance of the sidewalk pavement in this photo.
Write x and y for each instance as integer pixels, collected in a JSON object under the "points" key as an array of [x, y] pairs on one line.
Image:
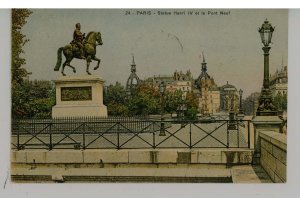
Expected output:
{"points": [[238, 173]]}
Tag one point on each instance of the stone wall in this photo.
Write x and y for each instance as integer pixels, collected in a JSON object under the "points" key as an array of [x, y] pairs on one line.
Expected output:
{"points": [[134, 156], [273, 155]]}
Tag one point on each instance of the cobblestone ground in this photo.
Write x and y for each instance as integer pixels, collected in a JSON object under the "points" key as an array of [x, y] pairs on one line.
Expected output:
{"points": [[200, 135]]}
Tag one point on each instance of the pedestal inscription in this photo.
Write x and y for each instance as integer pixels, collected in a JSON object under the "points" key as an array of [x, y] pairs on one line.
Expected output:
{"points": [[76, 93], [79, 96]]}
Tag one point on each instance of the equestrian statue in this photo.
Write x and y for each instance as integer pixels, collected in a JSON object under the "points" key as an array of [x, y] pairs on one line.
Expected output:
{"points": [[82, 48]]}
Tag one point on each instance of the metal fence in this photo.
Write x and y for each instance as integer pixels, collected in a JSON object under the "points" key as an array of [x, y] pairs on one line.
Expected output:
{"points": [[128, 133]]}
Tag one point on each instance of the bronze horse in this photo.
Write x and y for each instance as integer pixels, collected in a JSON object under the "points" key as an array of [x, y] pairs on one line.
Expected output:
{"points": [[92, 40]]}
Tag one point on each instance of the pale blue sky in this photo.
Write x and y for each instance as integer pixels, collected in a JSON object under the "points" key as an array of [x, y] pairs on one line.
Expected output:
{"points": [[231, 43]]}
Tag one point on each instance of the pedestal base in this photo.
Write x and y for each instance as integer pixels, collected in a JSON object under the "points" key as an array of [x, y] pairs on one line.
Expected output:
{"points": [[266, 113], [79, 96], [60, 111]]}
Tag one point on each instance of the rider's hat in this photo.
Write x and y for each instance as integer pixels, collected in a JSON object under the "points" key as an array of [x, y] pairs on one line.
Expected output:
{"points": [[77, 25]]}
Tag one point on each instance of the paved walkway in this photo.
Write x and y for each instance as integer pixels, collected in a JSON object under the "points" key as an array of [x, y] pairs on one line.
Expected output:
{"points": [[144, 173]]}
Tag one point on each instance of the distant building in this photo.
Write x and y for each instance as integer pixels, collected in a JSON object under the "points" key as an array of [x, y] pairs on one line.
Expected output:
{"points": [[279, 82], [133, 80], [179, 81], [279, 89], [207, 91], [228, 95]]}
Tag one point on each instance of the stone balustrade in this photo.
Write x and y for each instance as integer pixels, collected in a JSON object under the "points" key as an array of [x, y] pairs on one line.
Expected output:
{"points": [[273, 155]]}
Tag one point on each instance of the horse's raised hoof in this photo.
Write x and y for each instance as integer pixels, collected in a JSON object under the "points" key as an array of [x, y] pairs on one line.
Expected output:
{"points": [[74, 70], [96, 68]]}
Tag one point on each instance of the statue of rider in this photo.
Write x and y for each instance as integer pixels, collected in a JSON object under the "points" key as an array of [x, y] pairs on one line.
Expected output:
{"points": [[78, 38]]}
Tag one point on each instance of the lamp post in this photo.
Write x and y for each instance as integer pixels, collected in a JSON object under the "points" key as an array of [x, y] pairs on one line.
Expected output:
{"points": [[182, 110], [231, 124], [265, 107], [162, 88], [241, 108]]}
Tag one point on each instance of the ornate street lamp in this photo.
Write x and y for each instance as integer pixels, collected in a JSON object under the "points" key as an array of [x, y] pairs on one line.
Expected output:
{"points": [[266, 108], [231, 124], [241, 108], [162, 89]]}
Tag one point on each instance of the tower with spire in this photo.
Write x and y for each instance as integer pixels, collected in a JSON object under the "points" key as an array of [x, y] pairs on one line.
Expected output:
{"points": [[133, 80], [203, 75], [208, 91]]}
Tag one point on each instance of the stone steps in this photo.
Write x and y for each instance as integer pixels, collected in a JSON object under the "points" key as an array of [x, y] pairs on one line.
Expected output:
{"points": [[138, 174], [119, 179]]}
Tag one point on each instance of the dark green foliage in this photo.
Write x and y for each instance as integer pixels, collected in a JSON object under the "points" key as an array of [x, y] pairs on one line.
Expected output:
{"points": [[192, 103], [173, 101], [33, 99], [248, 103], [146, 100], [19, 17], [191, 113], [18, 88], [115, 99], [280, 101]]}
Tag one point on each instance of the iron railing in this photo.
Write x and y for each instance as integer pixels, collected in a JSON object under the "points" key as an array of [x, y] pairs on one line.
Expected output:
{"points": [[128, 133]]}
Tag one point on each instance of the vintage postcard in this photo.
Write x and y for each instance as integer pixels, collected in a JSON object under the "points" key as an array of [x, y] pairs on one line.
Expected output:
{"points": [[149, 95]]}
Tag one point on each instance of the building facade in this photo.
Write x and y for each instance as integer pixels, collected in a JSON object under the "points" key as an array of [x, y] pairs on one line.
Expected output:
{"points": [[207, 91], [179, 81], [278, 82], [279, 89]]}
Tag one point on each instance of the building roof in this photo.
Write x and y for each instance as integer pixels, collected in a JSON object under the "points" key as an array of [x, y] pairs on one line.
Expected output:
{"points": [[228, 87]]}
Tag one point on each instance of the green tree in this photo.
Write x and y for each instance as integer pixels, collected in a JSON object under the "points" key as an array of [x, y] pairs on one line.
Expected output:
{"points": [[173, 100], [19, 17], [248, 103], [41, 99], [280, 101], [36, 99], [18, 73], [284, 102], [115, 99], [192, 103], [146, 100]]}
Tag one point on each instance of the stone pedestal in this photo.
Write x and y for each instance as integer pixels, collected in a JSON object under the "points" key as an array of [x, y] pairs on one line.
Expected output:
{"points": [[264, 123], [79, 96]]}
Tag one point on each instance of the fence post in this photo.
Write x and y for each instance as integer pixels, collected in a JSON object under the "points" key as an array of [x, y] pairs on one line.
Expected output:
{"points": [[248, 134], [118, 135], [153, 140], [18, 136], [83, 137], [118, 131], [227, 134], [190, 135], [238, 131], [50, 137]]}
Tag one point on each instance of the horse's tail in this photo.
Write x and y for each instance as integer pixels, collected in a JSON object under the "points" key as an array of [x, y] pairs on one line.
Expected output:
{"points": [[59, 59]]}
